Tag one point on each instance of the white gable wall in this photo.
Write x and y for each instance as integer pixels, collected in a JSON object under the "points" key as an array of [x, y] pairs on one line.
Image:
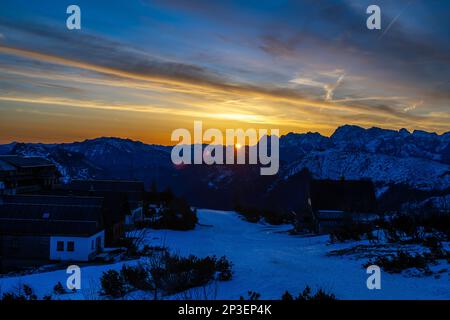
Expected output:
{"points": [[84, 247]]}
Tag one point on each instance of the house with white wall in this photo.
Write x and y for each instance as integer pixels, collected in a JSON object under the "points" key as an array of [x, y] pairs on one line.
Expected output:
{"points": [[124, 204], [40, 228], [76, 248]]}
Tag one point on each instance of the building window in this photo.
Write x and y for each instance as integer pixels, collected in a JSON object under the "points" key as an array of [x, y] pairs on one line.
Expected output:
{"points": [[60, 246], [70, 246]]}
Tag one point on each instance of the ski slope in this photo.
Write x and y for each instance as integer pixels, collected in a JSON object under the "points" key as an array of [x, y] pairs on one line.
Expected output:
{"points": [[266, 260]]}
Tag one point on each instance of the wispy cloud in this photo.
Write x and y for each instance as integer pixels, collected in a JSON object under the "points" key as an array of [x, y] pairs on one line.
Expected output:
{"points": [[413, 106], [299, 67], [328, 87], [206, 85], [223, 91]]}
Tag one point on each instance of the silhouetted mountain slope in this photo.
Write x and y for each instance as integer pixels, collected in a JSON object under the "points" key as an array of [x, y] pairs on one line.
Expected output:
{"points": [[398, 162]]}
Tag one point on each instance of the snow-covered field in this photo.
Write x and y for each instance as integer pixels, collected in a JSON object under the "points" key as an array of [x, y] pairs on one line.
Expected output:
{"points": [[266, 260]]}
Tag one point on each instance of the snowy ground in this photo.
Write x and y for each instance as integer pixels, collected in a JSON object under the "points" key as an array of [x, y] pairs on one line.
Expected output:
{"points": [[266, 260]]}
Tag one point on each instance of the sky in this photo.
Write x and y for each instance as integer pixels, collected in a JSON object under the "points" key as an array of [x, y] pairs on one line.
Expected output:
{"points": [[140, 69]]}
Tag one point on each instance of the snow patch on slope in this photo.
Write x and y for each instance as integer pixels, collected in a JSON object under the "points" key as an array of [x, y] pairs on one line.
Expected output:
{"points": [[266, 259], [420, 173]]}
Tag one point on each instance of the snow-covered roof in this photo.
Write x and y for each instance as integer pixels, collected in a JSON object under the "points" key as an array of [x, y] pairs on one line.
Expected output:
{"points": [[26, 162]]}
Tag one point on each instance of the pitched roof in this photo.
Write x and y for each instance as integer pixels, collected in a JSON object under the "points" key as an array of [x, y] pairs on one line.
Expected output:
{"points": [[134, 190], [5, 166], [344, 195], [26, 162], [48, 228], [73, 201], [113, 203], [65, 218], [107, 185], [55, 212]]}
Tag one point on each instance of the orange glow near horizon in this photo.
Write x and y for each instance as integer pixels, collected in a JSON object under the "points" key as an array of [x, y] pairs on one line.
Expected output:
{"points": [[61, 99]]}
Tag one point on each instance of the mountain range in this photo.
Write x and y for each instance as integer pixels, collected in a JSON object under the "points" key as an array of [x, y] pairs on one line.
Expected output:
{"points": [[406, 167]]}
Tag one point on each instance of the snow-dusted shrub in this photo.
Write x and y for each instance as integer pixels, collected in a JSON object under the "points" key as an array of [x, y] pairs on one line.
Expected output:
{"points": [[59, 289], [355, 231], [224, 269], [287, 296], [400, 261], [184, 273], [436, 248], [251, 295], [171, 273], [113, 284], [275, 217], [136, 277], [176, 215], [20, 293], [320, 295], [416, 227], [133, 241], [249, 215], [404, 228], [307, 295]]}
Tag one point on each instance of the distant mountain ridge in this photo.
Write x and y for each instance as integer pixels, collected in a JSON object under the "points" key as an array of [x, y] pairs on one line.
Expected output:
{"points": [[419, 159], [402, 143], [416, 161]]}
